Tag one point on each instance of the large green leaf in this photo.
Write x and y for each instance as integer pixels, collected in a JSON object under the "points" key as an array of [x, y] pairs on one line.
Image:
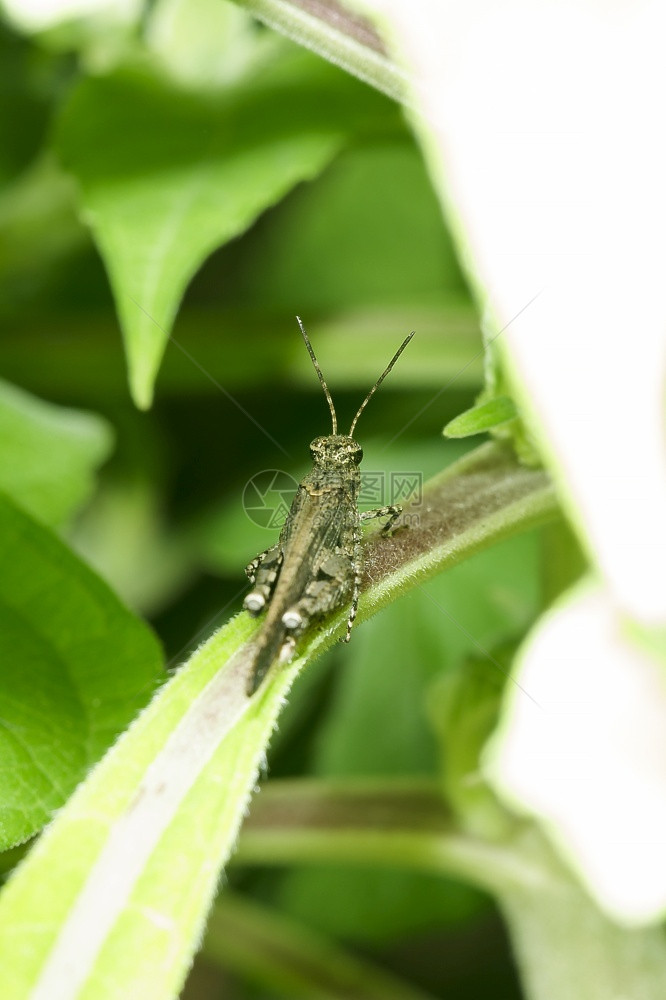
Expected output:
{"points": [[368, 233], [122, 880], [167, 175], [48, 454], [76, 667]]}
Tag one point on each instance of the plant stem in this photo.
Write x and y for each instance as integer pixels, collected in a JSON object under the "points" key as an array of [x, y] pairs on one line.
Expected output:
{"points": [[565, 945], [338, 35]]}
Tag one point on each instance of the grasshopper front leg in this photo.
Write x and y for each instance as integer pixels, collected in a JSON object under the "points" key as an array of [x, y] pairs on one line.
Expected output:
{"points": [[263, 573]]}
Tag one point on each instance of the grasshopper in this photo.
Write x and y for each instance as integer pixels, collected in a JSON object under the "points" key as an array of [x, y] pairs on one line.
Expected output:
{"points": [[316, 565]]}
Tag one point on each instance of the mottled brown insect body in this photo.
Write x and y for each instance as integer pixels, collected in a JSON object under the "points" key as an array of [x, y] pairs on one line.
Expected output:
{"points": [[315, 567]]}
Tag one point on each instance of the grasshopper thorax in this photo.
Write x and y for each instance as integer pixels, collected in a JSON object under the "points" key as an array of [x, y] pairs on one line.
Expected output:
{"points": [[336, 451]]}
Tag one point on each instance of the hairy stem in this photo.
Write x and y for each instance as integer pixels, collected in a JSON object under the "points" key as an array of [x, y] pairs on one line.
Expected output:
{"points": [[339, 35]]}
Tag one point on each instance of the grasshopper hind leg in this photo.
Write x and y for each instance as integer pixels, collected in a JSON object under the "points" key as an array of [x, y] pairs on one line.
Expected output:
{"points": [[262, 572], [356, 586]]}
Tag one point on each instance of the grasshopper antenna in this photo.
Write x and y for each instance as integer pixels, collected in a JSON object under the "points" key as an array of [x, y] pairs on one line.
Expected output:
{"points": [[321, 377], [379, 382]]}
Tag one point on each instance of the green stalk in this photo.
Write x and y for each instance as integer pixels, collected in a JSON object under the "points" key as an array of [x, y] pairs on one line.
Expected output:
{"points": [[338, 35], [564, 945]]}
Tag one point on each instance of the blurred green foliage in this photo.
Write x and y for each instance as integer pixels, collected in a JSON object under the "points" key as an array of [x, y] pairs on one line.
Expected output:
{"points": [[252, 181]]}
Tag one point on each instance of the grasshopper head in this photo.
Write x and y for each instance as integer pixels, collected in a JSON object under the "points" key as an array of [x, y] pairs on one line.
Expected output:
{"points": [[337, 450]]}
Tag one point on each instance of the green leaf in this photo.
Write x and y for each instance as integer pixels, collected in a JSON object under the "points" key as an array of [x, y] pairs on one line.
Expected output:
{"points": [[564, 561], [124, 535], [38, 228], [25, 105], [483, 417], [369, 904], [48, 454], [377, 724], [437, 626], [464, 707], [370, 233], [499, 385], [168, 175], [81, 350], [77, 666], [123, 879]]}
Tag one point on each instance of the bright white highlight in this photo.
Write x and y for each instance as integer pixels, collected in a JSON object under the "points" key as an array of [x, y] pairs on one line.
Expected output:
{"points": [[552, 163], [40, 15], [254, 602], [543, 127], [292, 619], [592, 764]]}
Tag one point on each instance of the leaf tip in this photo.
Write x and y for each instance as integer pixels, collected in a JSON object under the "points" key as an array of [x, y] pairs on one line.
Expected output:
{"points": [[141, 384]]}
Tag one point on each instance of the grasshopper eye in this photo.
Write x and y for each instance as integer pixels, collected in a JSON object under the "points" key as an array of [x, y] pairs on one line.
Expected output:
{"points": [[357, 455]]}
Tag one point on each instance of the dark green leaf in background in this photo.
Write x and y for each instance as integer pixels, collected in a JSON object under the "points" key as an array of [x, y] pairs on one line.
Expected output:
{"points": [[75, 667], [379, 722], [166, 176], [368, 232], [48, 453]]}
